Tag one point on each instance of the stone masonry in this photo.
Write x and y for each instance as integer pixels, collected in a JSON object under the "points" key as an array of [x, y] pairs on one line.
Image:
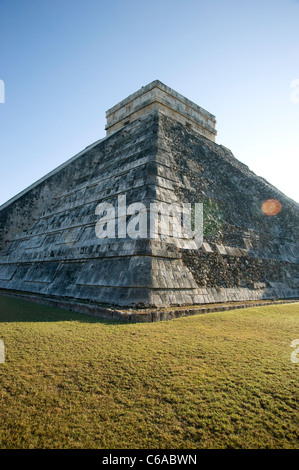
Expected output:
{"points": [[159, 147]]}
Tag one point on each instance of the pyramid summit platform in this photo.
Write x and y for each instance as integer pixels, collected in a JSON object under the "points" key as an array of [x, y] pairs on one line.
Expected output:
{"points": [[157, 96], [160, 149]]}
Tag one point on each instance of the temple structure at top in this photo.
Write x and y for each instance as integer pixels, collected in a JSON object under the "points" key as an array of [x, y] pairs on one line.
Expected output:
{"points": [[158, 96]]}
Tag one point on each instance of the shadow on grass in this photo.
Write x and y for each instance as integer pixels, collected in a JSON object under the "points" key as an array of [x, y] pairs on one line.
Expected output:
{"points": [[18, 310]]}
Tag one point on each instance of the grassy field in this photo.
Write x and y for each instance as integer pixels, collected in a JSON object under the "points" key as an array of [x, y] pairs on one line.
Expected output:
{"points": [[220, 380]]}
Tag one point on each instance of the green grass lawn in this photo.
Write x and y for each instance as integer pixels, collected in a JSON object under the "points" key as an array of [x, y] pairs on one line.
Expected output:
{"points": [[220, 380]]}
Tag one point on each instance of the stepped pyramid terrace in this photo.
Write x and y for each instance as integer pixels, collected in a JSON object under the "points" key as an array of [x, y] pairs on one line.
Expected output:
{"points": [[85, 234]]}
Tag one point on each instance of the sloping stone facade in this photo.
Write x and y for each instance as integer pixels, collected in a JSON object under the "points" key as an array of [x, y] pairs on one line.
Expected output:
{"points": [[49, 245]]}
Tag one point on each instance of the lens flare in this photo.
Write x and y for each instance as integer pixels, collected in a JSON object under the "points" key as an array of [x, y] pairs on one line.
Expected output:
{"points": [[271, 207]]}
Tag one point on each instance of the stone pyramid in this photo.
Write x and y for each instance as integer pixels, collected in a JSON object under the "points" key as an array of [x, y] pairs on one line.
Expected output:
{"points": [[160, 147]]}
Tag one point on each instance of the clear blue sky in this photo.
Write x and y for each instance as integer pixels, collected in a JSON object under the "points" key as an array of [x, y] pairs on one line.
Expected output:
{"points": [[65, 62]]}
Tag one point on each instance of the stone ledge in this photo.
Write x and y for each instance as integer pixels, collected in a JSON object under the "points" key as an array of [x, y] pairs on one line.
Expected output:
{"points": [[147, 315]]}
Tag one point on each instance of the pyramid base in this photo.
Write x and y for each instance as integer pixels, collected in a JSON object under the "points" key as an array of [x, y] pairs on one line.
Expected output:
{"points": [[142, 315]]}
